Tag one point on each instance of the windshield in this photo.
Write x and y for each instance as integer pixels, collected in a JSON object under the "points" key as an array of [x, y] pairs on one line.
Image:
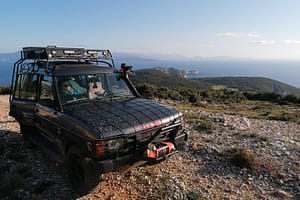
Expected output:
{"points": [[92, 86]]}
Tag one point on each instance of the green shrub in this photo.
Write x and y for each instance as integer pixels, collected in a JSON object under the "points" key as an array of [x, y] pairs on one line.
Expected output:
{"points": [[291, 99], [193, 96], [206, 125], [273, 97], [5, 90]]}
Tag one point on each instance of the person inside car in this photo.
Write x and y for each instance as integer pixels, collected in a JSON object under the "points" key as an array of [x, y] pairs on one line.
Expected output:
{"points": [[67, 92], [66, 88]]}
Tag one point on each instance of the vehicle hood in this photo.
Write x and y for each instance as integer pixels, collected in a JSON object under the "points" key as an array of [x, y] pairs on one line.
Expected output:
{"points": [[110, 118]]}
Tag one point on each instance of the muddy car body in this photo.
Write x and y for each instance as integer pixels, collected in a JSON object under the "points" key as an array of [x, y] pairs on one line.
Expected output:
{"points": [[86, 114]]}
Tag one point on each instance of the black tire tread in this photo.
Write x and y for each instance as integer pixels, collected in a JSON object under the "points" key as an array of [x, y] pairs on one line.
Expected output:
{"points": [[90, 178]]}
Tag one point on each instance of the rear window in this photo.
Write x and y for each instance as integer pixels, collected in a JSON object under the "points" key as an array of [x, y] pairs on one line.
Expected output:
{"points": [[26, 86]]}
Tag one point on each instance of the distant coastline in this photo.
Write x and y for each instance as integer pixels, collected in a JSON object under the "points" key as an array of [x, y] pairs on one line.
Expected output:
{"points": [[284, 71]]}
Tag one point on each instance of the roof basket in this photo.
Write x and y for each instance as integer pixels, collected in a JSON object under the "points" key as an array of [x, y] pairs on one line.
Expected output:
{"points": [[62, 53]]}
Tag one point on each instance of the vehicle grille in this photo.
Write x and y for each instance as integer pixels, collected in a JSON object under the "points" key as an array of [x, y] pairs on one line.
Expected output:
{"points": [[136, 142]]}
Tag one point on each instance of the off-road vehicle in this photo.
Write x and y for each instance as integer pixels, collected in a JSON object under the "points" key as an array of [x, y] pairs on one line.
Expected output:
{"points": [[75, 105]]}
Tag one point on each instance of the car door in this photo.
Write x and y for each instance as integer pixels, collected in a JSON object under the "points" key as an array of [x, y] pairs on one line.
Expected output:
{"points": [[24, 98], [46, 116]]}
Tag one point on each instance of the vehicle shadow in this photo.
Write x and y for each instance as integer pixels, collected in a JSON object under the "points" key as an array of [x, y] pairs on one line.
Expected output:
{"points": [[8, 121], [27, 173]]}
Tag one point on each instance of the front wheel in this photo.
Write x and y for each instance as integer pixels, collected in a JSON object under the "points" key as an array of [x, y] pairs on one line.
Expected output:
{"points": [[83, 179]]}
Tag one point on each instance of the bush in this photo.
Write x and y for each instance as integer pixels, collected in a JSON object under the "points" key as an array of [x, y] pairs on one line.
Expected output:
{"points": [[273, 97], [206, 125], [190, 95], [5, 90], [263, 96], [149, 91], [292, 99], [285, 116], [242, 158]]}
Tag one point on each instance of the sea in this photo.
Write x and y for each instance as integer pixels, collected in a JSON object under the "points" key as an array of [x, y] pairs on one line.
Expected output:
{"points": [[284, 71], [6, 69]]}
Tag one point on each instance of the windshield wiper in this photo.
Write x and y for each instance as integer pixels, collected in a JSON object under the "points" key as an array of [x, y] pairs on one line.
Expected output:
{"points": [[76, 100], [121, 96]]}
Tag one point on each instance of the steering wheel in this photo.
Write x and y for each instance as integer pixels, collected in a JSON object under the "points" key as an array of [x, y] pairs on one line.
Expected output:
{"points": [[101, 94]]}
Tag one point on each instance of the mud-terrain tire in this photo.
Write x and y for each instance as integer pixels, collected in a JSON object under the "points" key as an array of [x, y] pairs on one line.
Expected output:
{"points": [[83, 179]]}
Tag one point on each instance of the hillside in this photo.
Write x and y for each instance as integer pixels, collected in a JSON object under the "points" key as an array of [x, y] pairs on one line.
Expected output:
{"points": [[245, 84], [159, 78], [228, 156], [256, 84]]}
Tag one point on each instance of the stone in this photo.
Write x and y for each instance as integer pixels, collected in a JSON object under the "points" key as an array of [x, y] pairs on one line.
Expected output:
{"points": [[281, 194], [202, 170]]}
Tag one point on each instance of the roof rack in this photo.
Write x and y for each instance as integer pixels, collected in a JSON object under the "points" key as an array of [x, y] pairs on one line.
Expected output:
{"points": [[55, 53], [51, 53]]}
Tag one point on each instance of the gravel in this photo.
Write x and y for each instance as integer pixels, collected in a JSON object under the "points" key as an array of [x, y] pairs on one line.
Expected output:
{"points": [[203, 170]]}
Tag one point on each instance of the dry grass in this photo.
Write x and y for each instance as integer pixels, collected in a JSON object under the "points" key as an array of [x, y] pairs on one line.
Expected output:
{"points": [[245, 159], [242, 158], [205, 125], [250, 109]]}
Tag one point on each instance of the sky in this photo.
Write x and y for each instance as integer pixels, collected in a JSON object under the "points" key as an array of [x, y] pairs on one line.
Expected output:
{"points": [[256, 29]]}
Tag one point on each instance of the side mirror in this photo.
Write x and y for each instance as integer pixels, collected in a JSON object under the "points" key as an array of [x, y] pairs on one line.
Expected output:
{"points": [[126, 70]]}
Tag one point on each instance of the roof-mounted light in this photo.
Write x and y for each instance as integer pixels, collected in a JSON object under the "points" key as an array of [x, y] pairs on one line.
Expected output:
{"points": [[69, 52], [92, 52], [104, 53]]}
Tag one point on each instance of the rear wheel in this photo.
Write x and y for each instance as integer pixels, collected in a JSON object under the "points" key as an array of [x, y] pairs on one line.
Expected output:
{"points": [[27, 132], [83, 178]]}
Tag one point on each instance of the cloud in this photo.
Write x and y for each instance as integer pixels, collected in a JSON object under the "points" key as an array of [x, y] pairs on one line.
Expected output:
{"points": [[291, 41], [253, 35], [263, 42], [238, 35], [270, 42]]}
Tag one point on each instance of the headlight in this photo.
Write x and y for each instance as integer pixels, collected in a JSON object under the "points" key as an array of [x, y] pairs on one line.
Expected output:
{"points": [[114, 145], [109, 146]]}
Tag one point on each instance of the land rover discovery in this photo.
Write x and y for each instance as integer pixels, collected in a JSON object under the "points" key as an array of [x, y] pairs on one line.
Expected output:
{"points": [[77, 107]]}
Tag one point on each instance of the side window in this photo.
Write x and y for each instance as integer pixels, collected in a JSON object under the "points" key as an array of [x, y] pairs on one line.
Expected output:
{"points": [[26, 86], [46, 92], [118, 85]]}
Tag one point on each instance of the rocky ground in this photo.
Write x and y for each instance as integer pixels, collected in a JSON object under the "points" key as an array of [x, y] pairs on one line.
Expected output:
{"points": [[233, 157]]}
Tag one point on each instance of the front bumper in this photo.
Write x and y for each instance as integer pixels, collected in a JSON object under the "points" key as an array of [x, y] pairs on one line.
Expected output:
{"points": [[110, 165]]}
